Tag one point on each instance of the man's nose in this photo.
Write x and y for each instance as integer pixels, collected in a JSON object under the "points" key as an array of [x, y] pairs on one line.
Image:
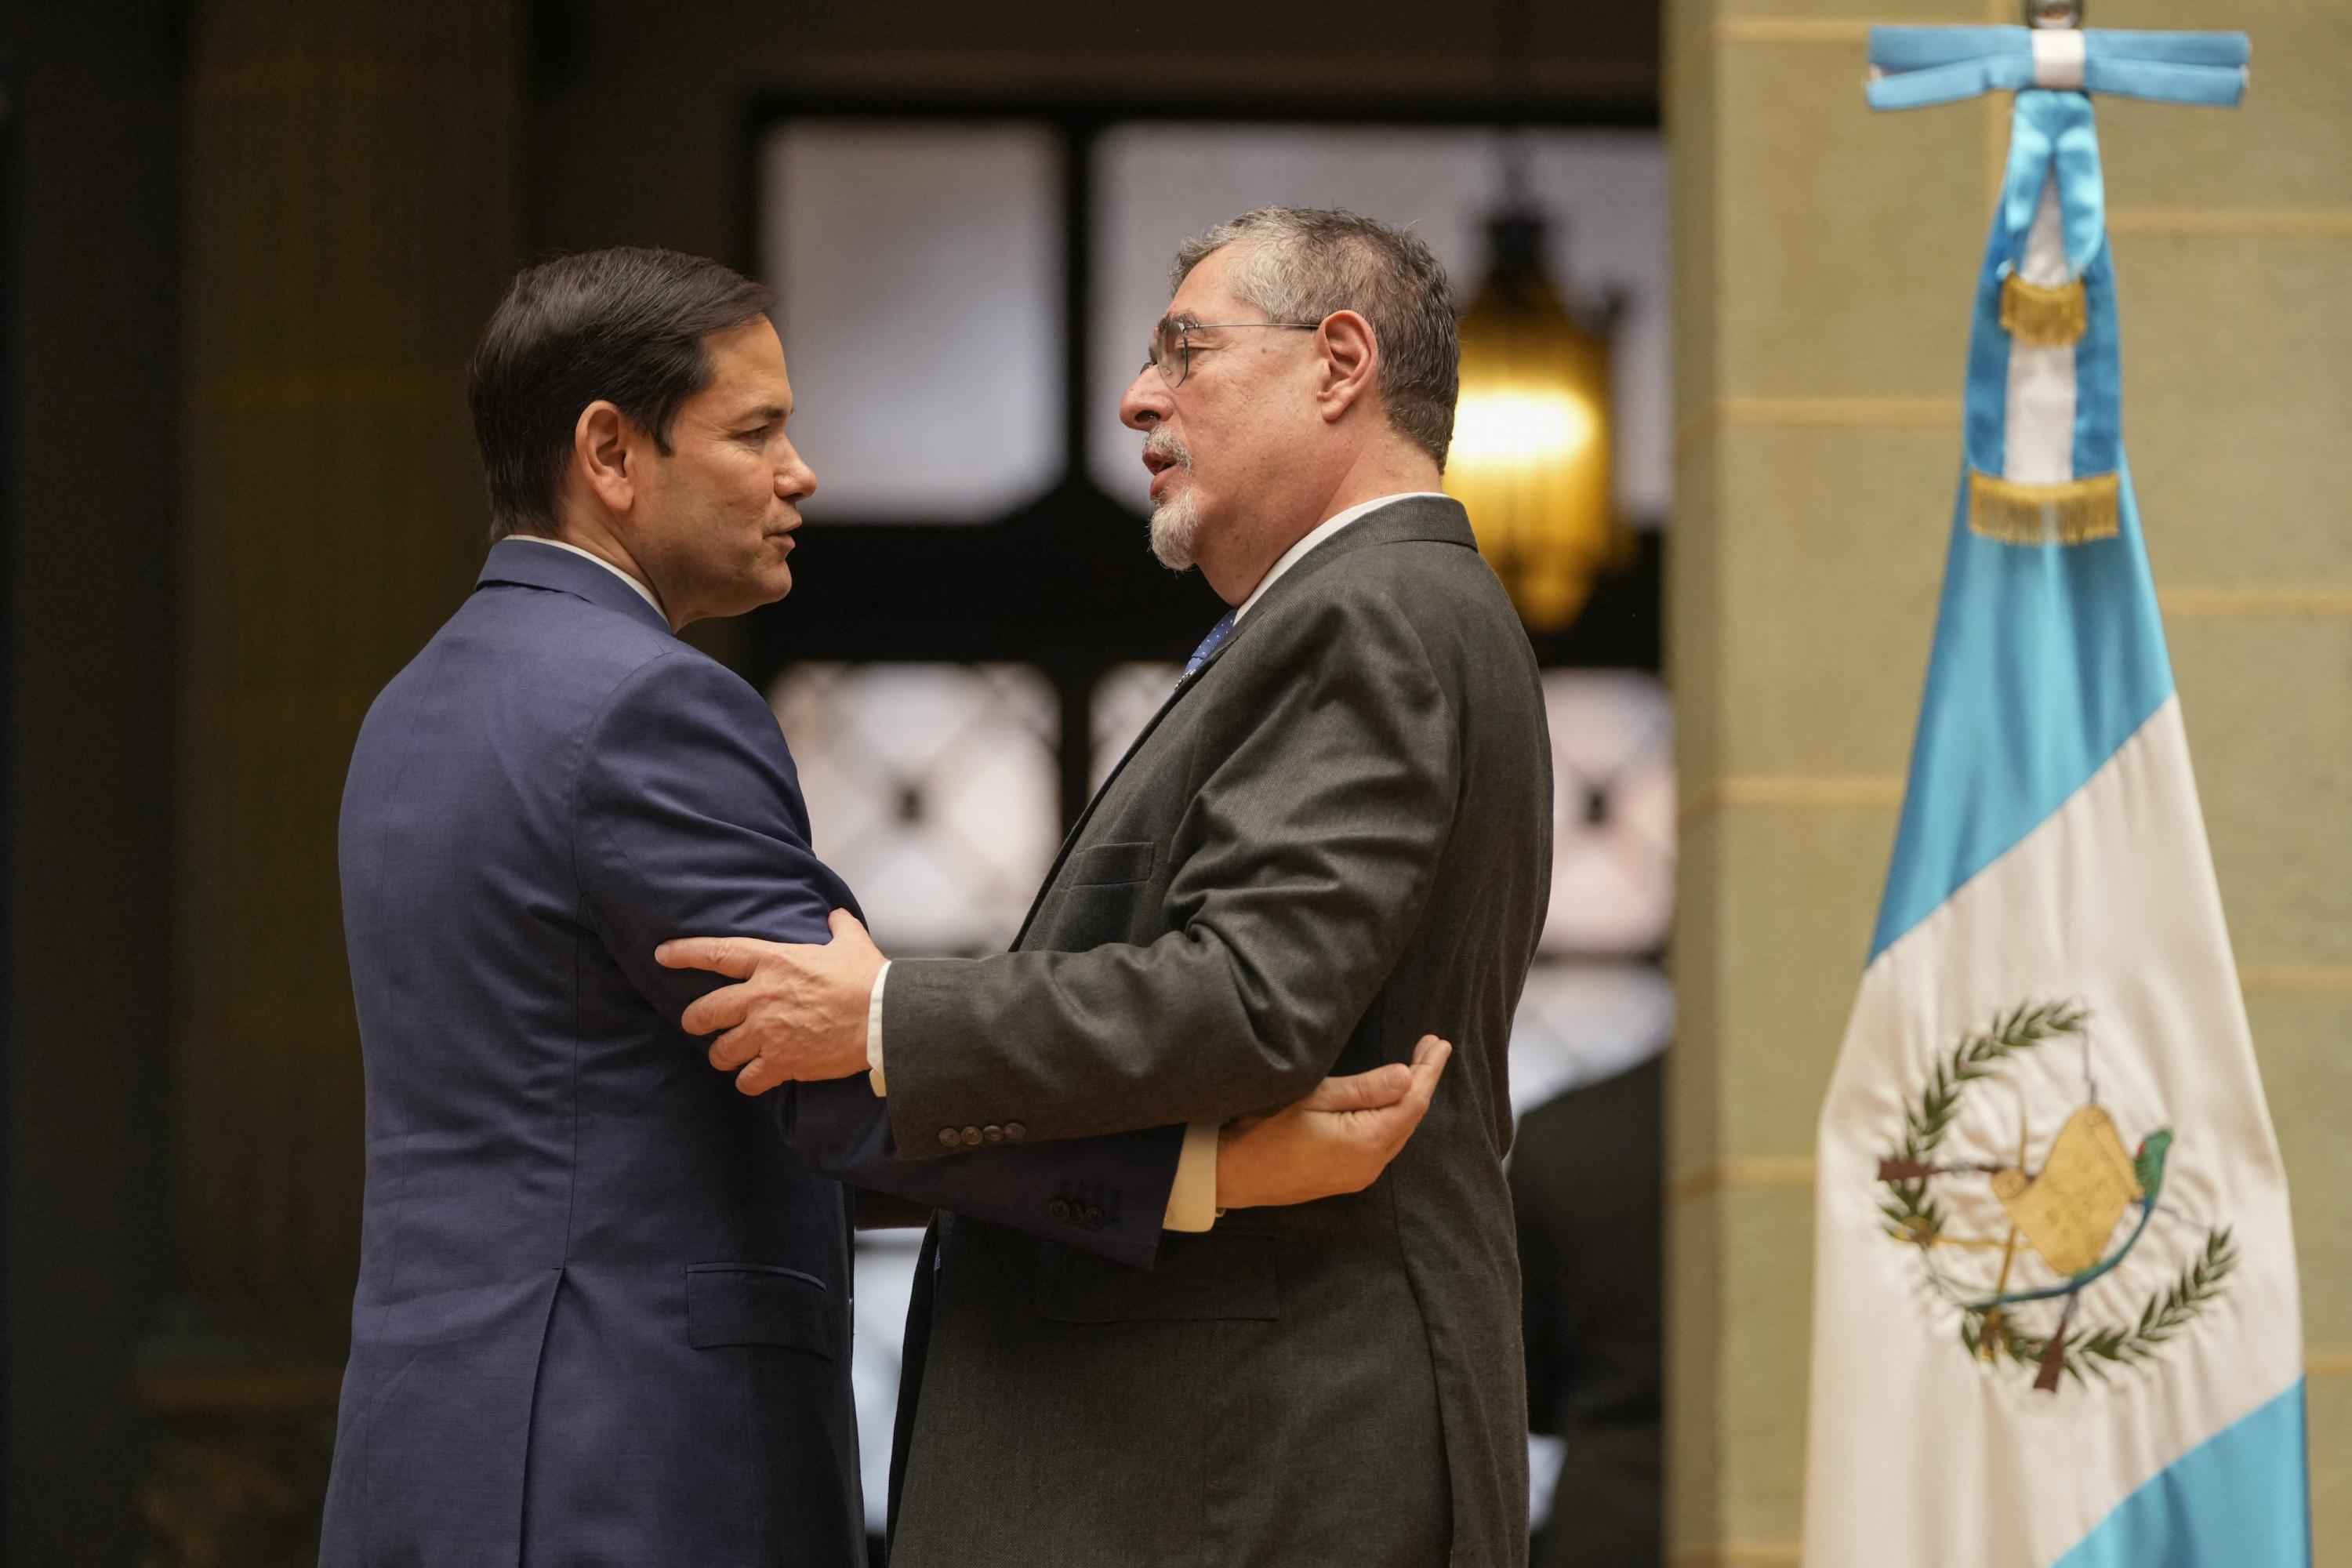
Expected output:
{"points": [[1146, 401], [795, 480]]}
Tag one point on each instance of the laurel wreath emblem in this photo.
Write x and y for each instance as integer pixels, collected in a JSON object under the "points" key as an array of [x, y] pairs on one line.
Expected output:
{"points": [[1915, 1215], [2104, 1351]]}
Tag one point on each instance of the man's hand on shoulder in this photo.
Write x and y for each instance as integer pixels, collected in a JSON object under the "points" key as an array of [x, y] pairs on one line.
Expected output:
{"points": [[1337, 1140], [798, 1015]]}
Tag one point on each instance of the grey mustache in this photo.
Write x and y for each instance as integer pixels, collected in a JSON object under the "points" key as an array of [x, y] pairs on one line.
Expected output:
{"points": [[1157, 444]]}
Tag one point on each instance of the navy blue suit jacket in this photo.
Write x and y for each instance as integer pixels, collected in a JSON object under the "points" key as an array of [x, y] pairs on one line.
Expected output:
{"points": [[603, 1313]]}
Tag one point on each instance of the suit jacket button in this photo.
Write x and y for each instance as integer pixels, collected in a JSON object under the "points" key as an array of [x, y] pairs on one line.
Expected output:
{"points": [[972, 1137], [1014, 1131], [947, 1139], [1059, 1208], [1093, 1218], [993, 1133]]}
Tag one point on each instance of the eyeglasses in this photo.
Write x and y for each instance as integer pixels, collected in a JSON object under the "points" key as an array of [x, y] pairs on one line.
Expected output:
{"points": [[1171, 343]]}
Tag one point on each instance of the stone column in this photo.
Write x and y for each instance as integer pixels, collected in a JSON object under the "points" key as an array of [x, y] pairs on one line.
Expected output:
{"points": [[1825, 259], [352, 198]]}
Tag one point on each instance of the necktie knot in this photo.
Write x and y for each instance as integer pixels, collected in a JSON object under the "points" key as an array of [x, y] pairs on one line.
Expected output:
{"points": [[1217, 634]]}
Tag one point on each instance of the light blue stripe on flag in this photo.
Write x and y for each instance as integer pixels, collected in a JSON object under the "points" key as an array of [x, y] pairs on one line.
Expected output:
{"points": [[2047, 658], [2237, 1498]]}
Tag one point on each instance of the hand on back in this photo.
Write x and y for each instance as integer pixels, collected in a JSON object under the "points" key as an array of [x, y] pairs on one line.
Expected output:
{"points": [[798, 1014]]}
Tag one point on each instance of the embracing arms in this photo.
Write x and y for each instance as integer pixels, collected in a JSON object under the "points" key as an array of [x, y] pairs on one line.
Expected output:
{"points": [[691, 819], [1302, 858]]}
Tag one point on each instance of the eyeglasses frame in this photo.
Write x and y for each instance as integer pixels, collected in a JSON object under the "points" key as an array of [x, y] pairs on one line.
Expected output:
{"points": [[1184, 331]]}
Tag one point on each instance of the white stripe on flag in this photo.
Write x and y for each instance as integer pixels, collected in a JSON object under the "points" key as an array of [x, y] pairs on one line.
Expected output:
{"points": [[1921, 1454]]}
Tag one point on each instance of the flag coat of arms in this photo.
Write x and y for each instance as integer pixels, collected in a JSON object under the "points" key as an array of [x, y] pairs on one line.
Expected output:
{"points": [[2056, 1309]]}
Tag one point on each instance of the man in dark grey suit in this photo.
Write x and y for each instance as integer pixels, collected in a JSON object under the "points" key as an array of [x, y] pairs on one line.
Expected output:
{"points": [[1334, 836]]}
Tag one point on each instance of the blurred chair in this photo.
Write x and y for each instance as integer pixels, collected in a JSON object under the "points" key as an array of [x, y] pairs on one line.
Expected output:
{"points": [[1586, 1181]]}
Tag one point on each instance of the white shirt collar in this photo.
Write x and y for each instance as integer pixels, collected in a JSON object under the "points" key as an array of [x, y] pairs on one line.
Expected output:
{"points": [[1316, 535], [643, 592]]}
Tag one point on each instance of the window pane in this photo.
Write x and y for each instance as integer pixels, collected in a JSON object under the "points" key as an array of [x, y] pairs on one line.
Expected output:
{"points": [[918, 267], [931, 789], [1579, 1024], [1124, 702], [1605, 191], [1613, 879]]}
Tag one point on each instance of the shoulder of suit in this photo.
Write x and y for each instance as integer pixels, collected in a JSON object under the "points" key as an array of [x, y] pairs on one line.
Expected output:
{"points": [[1428, 580], [680, 709], [603, 655], [669, 670]]}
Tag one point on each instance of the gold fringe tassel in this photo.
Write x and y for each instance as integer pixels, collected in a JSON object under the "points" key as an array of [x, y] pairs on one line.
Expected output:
{"points": [[2044, 318], [2074, 512]]}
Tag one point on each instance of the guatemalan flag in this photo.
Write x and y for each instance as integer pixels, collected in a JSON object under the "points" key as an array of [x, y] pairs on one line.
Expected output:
{"points": [[2056, 1317]]}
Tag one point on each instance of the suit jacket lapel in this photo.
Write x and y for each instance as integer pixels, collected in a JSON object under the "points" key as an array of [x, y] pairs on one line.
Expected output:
{"points": [[1420, 518], [1078, 828]]}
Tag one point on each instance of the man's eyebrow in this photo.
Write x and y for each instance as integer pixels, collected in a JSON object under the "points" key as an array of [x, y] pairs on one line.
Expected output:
{"points": [[765, 414], [1176, 319]]}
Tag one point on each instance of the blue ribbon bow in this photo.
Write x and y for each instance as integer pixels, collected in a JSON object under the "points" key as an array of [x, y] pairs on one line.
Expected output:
{"points": [[1913, 68]]}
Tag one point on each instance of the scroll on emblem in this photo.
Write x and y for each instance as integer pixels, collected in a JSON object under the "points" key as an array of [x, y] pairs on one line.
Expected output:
{"points": [[2067, 1212]]}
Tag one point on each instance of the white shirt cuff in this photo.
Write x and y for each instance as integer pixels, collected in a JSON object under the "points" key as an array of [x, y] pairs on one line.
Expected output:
{"points": [[874, 1037], [1193, 1201]]}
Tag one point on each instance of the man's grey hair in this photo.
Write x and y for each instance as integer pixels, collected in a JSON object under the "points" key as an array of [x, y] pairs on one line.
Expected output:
{"points": [[1300, 264]]}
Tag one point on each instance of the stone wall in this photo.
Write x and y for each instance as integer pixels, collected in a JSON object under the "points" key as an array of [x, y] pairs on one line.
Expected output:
{"points": [[1825, 259]]}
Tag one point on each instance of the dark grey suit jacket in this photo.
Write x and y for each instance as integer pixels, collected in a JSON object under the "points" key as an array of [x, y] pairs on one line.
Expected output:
{"points": [[1334, 837]]}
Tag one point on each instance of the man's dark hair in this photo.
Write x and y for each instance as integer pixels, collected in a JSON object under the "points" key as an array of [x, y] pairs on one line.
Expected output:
{"points": [[626, 325]]}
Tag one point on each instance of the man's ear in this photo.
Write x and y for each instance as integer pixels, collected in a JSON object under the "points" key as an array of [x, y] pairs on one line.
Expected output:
{"points": [[1351, 362], [599, 456]]}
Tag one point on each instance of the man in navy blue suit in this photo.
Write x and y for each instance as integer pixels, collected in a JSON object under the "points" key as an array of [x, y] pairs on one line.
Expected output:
{"points": [[603, 1313]]}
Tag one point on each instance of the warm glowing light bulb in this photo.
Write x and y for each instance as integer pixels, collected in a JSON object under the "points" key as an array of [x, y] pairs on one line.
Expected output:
{"points": [[1515, 425], [1531, 434]]}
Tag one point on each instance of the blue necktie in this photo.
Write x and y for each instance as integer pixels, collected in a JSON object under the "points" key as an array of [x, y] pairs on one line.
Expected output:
{"points": [[1217, 634]]}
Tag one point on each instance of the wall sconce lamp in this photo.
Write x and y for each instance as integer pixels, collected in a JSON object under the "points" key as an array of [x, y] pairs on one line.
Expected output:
{"points": [[1532, 432]]}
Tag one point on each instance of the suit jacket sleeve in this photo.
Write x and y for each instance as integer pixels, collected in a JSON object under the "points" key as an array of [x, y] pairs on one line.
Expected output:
{"points": [[690, 823], [1302, 863]]}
